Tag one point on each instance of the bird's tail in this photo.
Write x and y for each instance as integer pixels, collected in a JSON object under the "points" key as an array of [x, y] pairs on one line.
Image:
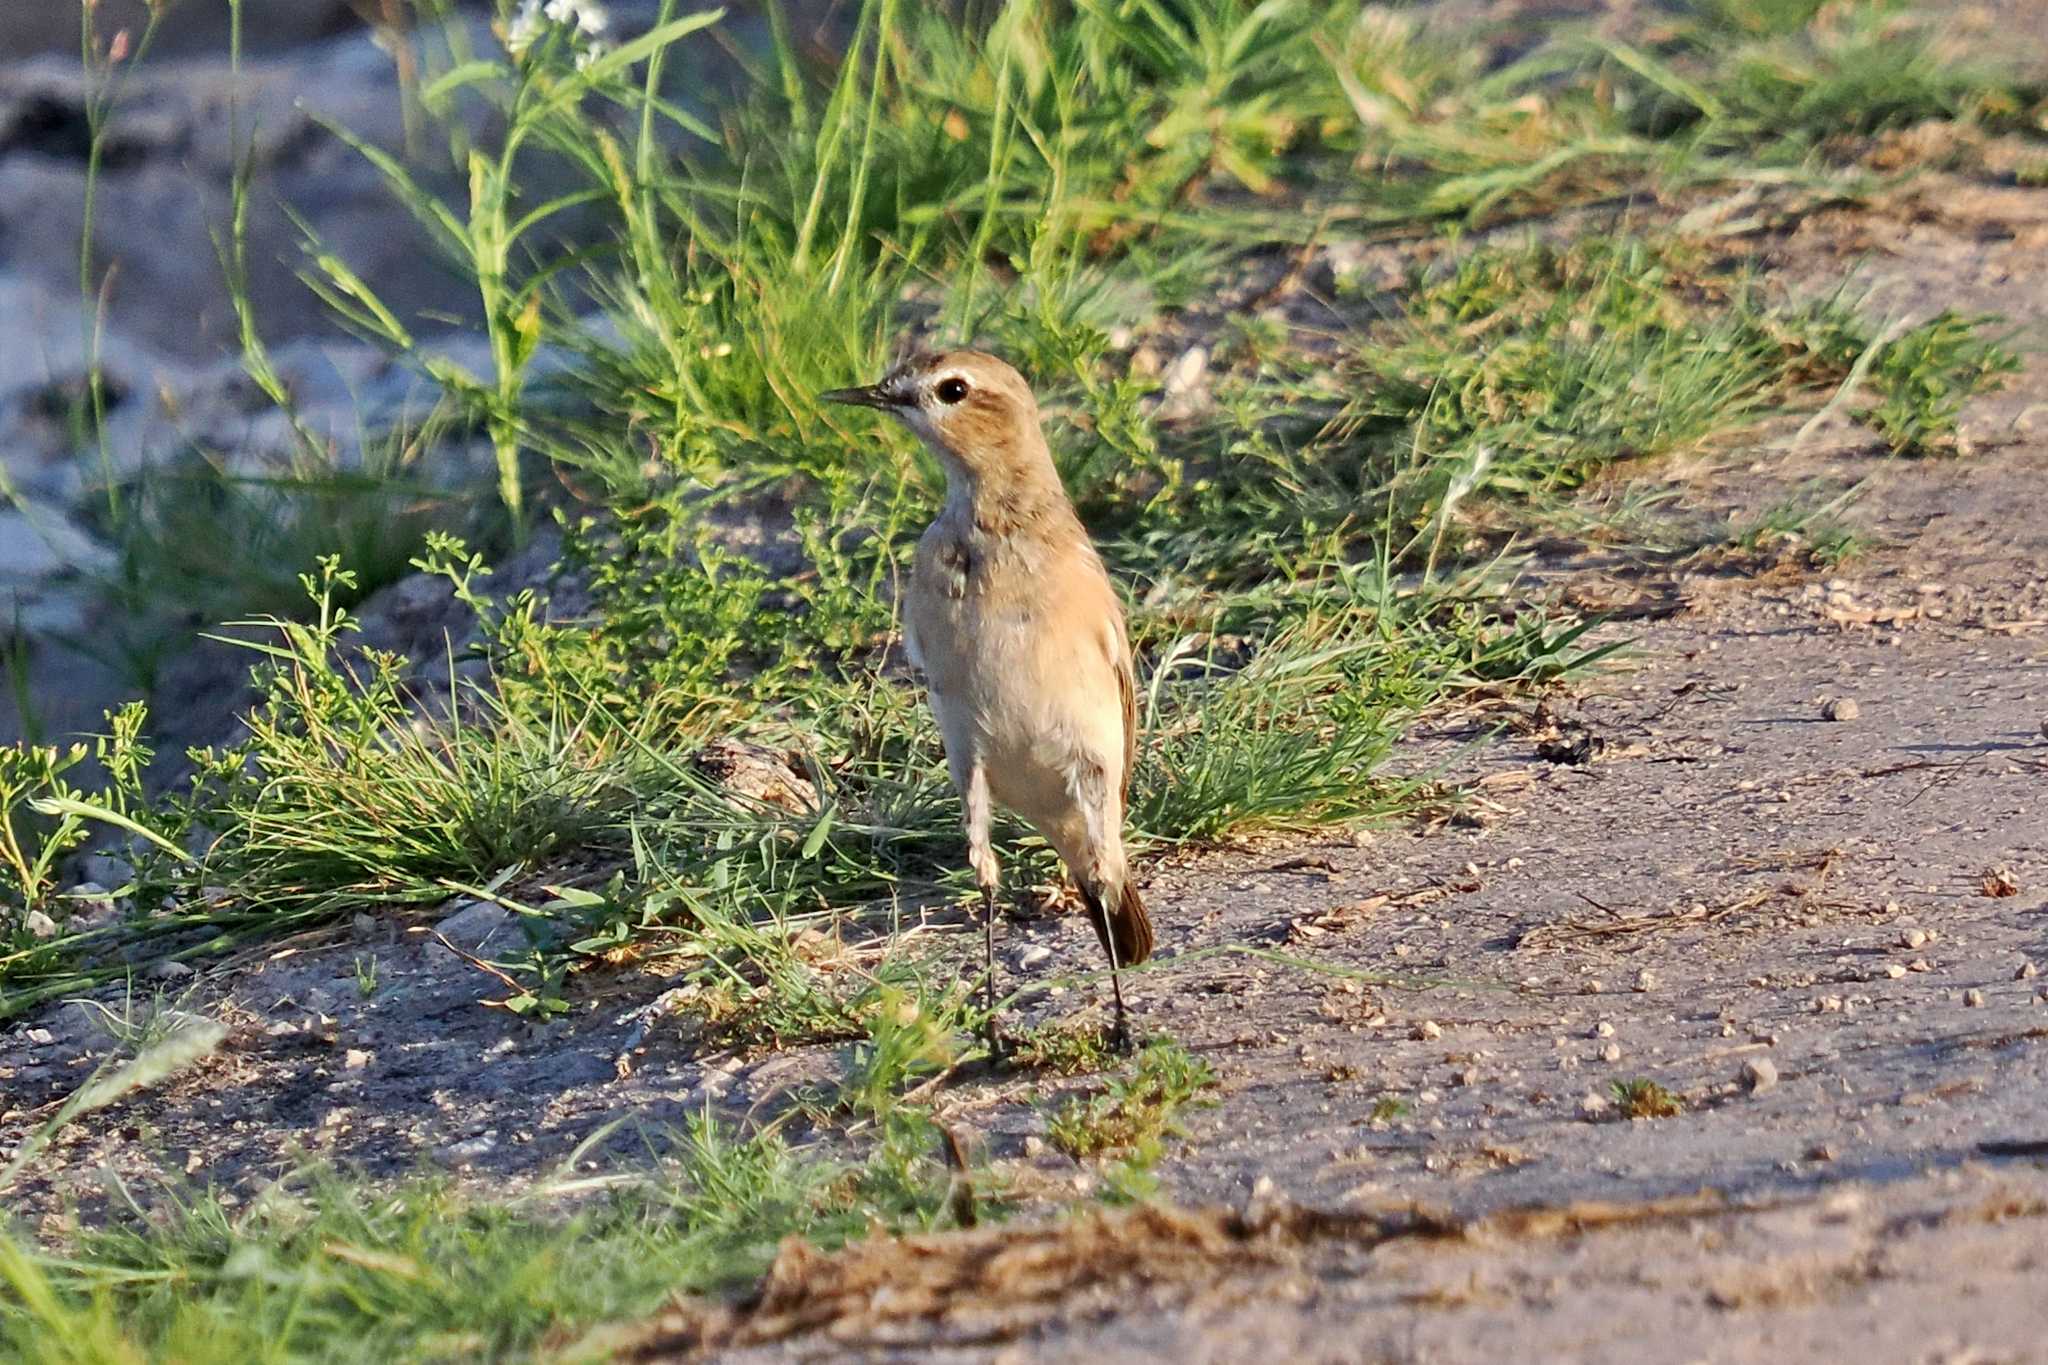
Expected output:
{"points": [[1126, 930]]}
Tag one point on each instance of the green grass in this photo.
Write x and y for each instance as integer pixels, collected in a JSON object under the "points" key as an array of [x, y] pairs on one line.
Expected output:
{"points": [[1645, 1099], [318, 1268], [1134, 1114]]}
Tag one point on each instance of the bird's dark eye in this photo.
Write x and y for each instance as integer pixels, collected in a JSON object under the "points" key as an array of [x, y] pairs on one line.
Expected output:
{"points": [[951, 389]]}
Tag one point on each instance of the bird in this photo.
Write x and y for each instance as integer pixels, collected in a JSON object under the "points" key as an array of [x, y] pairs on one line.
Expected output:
{"points": [[1020, 635]]}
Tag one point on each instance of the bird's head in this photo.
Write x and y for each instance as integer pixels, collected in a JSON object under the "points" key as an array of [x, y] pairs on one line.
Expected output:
{"points": [[974, 411]]}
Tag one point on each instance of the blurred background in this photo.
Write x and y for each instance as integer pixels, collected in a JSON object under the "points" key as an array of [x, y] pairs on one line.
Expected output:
{"points": [[101, 596]]}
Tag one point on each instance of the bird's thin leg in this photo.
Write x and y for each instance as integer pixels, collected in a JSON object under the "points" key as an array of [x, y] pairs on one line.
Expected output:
{"points": [[981, 856], [1120, 1032], [1102, 883]]}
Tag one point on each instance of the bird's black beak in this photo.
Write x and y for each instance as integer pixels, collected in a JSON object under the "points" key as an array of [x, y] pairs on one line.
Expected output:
{"points": [[866, 396]]}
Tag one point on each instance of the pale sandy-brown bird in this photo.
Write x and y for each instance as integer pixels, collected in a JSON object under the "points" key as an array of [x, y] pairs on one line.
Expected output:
{"points": [[1021, 638]]}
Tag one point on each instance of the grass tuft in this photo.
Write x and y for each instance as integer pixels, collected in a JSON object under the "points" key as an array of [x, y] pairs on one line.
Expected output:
{"points": [[1645, 1099], [1135, 1114]]}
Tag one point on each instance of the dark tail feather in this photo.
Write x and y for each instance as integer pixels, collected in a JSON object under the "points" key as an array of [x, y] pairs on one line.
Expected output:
{"points": [[1128, 934]]}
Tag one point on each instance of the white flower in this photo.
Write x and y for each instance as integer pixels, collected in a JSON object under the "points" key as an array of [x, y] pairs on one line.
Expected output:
{"points": [[531, 20], [525, 29], [589, 15]]}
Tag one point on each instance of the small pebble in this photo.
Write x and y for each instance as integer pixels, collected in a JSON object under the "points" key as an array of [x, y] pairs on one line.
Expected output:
{"points": [[355, 1059], [1034, 1146], [1840, 708], [1759, 1074], [1427, 1031], [1913, 938], [1646, 980], [1032, 955], [1611, 1053], [1603, 1029], [1828, 1004], [1593, 1106], [1973, 998], [2027, 972], [39, 925], [1894, 970]]}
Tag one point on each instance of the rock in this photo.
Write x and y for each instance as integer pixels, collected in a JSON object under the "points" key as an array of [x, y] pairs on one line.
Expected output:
{"points": [[1034, 1147], [38, 542], [1759, 1074], [1427, 1031], [759, 775], [1186, 373], [474, 925], [1646, 980], [1592, 1107], [1913, 938], [169, 971], [1611, 1053], [105, 869], [1032, 956], [39, 925], [2027, 972], [355, 1059], [1973, 998], [1840, 709], [469, 1150]]}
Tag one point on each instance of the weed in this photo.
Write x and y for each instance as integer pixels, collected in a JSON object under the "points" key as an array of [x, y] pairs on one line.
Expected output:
{"points": [[137, 1027], [41, 809], [1388, 1108], [1646, 1099], [1062, 1050], [908, 1037], [1812, 528], [1136, 1113], [1924, 375]]}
